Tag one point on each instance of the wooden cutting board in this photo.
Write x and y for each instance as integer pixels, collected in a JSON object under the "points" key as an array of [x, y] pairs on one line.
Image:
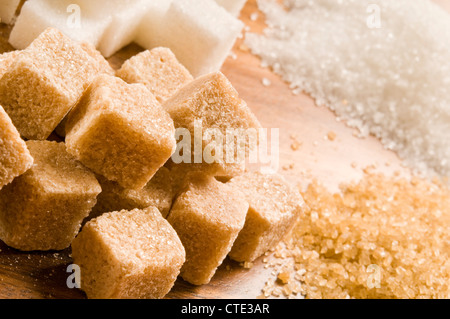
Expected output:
{"points": [[306, 152]]}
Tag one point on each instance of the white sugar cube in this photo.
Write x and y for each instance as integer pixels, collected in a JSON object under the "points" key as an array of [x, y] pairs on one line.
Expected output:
{"points": [[200, 33], [232, 6], [149, 33], [126, 18], [107, 24], [8, 10], [74, 18]]}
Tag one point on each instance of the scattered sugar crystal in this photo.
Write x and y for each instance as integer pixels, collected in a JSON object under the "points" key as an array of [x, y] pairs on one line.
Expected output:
{"points": [[244, 48], [266, 82], [248, 265], [232, 6], [392, 81], [295, 145], [331, 136], [8, 10], [200, 39], [284, 277]]}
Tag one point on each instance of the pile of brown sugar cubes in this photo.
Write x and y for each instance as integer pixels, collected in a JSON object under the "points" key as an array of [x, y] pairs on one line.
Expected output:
{"points": [[145, 218]]}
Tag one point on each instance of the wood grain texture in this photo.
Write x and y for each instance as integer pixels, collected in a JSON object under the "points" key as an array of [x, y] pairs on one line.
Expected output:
{"points": [[305, 153]]}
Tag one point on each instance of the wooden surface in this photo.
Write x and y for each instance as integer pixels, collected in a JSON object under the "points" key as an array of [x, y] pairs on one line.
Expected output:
{"points": [[305, 153]]}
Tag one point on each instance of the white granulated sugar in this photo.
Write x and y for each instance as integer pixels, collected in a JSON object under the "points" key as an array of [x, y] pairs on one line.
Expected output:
{"points": [[266, 82], [392, 69]]}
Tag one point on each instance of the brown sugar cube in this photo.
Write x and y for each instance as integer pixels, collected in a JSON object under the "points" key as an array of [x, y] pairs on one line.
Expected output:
{"points": [[15, 159], [6, 60], [158, 193], [43, 208], [60, 130], [159, 70], [274, 208], [128, 254], [208, 217], [103, 66], [181, 175], [230, 171], [211, 103], [121, 132], [45, 81]]}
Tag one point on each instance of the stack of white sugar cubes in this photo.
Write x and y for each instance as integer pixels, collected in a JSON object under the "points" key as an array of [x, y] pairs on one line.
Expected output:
{"points": [[200, 32]]}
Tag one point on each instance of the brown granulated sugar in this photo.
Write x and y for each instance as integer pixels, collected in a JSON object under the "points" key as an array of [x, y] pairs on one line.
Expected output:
{"points": [[379, 238]]}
